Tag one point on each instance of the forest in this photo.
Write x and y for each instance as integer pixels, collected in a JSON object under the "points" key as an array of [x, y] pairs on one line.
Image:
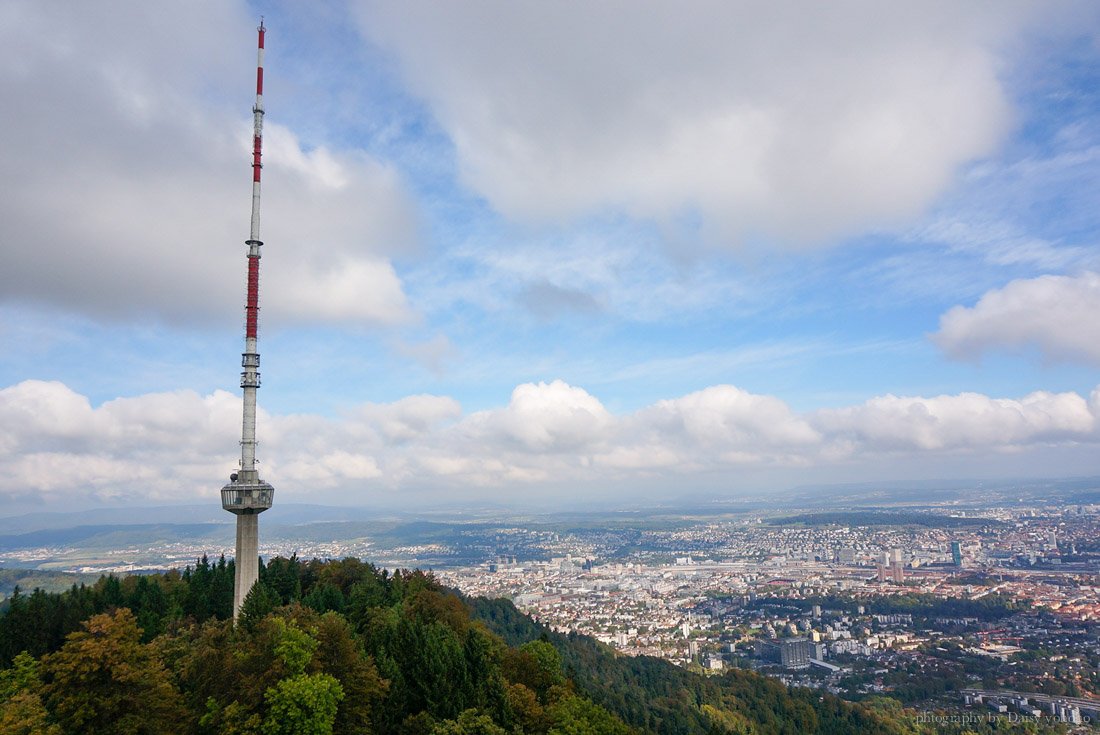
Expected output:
{"points": [[343, 647]]}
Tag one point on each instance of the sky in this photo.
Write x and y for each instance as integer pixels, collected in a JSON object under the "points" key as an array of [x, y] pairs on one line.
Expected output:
{"points": [[554, 254]]}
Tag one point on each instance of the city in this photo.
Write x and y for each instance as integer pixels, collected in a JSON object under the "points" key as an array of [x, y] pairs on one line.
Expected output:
{"points": [[949, 605], [1004, 610]]}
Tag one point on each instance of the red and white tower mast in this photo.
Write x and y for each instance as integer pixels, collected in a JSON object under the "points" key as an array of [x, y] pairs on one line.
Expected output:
{"points": [[247, 495]]}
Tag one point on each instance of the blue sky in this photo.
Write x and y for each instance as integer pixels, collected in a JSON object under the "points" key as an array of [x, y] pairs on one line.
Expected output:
{"points": [[525, 253]]}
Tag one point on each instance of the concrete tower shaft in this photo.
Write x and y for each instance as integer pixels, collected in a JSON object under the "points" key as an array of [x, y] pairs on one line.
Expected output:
{"points": [[247, 495]]}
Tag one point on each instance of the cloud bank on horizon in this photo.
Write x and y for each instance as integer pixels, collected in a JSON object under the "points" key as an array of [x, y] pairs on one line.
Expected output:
{"points": [[550, 437], [553, 251]]}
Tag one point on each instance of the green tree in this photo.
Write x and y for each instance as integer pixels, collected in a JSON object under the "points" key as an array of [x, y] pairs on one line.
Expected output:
{"points": [[221, 589], [23, 676], [303, 705], [259, 601], [339, 655], [578, 716], [104, 680], [325, 597], [109, 589], [469, 722], [21, 709], [283, 577], [293, 645]]}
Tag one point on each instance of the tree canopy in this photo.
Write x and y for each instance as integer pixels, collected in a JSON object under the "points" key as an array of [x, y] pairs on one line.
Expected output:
{"points": [[343, 648]]}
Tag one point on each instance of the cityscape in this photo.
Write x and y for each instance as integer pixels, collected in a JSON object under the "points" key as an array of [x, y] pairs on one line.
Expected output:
{"points": [[999, 600], [993, 609]]}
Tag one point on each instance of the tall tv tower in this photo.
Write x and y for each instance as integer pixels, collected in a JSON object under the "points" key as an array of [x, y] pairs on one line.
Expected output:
{"points": [[247, 495]]}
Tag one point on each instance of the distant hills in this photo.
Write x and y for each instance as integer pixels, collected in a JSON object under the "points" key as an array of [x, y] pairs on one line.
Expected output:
{"points": [[880, 518], [893, 495]]}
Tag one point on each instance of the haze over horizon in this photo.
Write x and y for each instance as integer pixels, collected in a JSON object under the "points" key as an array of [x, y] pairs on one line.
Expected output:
{"points": [[519, 252]]}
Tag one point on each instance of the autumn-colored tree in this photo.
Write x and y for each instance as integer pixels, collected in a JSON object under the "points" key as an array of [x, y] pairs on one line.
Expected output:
{"points": [[526, 710], [24, 714], [105, 680], [536, 665]]}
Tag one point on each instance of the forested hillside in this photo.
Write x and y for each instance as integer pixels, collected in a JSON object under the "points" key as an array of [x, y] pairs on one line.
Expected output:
{"points": [[341, 647]]}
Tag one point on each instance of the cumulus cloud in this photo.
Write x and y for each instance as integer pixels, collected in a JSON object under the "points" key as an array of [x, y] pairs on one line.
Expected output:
{"points": [[162, 446], [411, 417], [1054, 314], [128, 190], [550, 440], [962, 422], [792, 120], [545, 417]]}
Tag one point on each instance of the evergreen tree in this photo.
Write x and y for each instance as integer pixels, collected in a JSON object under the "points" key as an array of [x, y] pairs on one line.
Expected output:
{"points": [[283, 577], [259, 601], [339, 654], [324, 597], [221, 589]]}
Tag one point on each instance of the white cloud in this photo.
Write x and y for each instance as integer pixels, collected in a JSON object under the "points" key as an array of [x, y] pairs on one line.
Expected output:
{"points": [[551, 440], [128, 191], [963, 422], [1056, 315], [161, 446], [726, 415], [410, 418], [545, 417], [792, 120]]}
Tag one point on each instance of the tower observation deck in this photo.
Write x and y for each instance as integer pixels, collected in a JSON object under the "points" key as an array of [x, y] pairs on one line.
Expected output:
{"points": [[247, 495]]}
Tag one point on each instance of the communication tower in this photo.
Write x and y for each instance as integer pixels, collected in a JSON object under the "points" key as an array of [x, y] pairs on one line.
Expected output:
{"points": [[247, 495]]}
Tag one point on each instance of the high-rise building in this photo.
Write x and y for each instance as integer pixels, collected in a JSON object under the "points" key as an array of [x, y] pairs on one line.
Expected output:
{"points": [[897, 566], [956, 553], [883, 566], [791, 653]]}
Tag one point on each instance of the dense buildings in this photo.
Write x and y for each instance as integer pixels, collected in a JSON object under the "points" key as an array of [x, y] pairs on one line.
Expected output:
{"points": [[703, 591]]}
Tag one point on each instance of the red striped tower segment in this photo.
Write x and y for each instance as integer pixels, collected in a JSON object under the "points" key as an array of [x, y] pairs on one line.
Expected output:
{"points": [[247, 495]]}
